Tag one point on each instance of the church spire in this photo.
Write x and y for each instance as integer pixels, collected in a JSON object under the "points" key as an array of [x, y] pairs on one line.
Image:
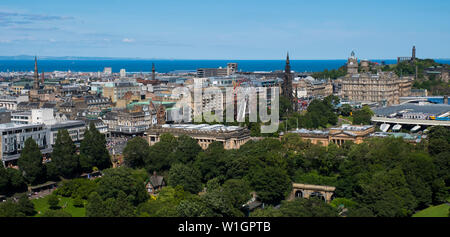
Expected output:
{"points": [[153, 72], [36, 75], [288, 64], [287, 83]]}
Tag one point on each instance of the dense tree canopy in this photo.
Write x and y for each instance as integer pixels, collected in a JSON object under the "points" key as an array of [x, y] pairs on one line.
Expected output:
{"points": [[165, 204], [136, 152], [271, 184], [30, 162], [186, 176], [93, 152], [119, 180], [212, 162], [298, 207], [159, 155], [186, 150], [11, 181], [65, 161], [363, 116]]}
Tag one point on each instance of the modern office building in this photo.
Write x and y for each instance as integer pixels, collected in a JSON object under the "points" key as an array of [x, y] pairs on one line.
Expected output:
{"points": [[13, 137], [214, 72], [75, 129]]}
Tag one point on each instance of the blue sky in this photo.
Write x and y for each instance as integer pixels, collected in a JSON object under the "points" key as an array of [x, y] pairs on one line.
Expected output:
{"points": [[216, 29]]}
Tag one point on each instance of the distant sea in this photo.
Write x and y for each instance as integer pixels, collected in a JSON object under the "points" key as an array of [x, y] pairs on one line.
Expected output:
{"points": [[165, 66]]}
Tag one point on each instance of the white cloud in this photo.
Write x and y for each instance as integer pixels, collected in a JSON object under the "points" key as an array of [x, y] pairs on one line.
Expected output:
{"points": [[127, 40]]}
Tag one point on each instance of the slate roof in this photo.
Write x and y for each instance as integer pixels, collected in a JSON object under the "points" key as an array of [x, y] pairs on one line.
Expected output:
{"points": [[157, 181]]}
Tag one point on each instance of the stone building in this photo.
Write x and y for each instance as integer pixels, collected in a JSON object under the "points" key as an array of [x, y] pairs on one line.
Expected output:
{"points": [[231, 137], [384, 88], [338, 136], [134, 120], [310, 87], [39, 93], [118, 89], [11, 102]]}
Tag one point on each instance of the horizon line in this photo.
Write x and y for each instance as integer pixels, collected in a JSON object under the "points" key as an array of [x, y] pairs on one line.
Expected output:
{"points": [[172, 59]]}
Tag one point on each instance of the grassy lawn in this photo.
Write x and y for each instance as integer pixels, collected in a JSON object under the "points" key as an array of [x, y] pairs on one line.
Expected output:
{"points": [[434, 211], [41, 206], [346, 119]]}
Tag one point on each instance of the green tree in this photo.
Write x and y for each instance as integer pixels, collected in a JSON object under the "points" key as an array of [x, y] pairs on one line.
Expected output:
{"points": [[135, 152], [442, 163], [315, 178], [166, 203], [420, 173], [11, 181], [64, 155], [119, 180], [77, 188], [363, 116], [360, 212], [268, 211], [95, 206], [213, 203], [387, 194], [194, 207], [93, 152], [185, 176], [301, 207], [78, 202], [438, 140], [285, 107], [4, 181], [159, 155], [21, 208], [321, 113], [219, 204], [119, 207], [186, 150], [237, 191], [26, 206], [53, 202], [10, 209], [271, 184], [212, 162], [343, 202], [30, 162]]}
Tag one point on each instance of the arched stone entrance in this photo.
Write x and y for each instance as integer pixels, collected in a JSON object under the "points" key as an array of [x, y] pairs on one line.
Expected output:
{"points": [[298, 194], [308, 190]]}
